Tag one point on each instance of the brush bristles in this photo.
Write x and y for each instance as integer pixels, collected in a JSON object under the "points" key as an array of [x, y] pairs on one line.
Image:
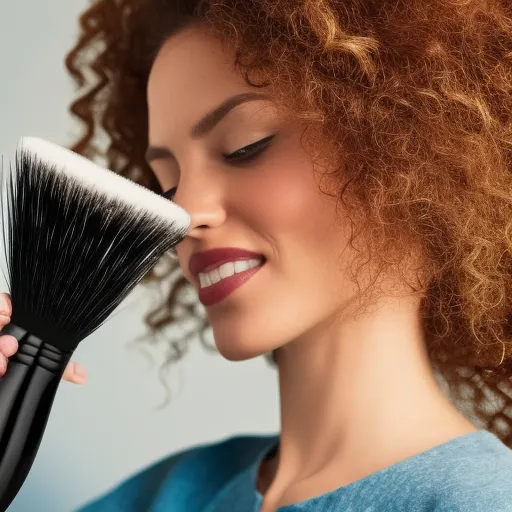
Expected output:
{"points": [[78, 239], [96, 178]]}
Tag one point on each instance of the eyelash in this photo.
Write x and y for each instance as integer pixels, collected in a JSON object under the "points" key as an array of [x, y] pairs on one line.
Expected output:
{"points": [[240, 155], [253, 149]]}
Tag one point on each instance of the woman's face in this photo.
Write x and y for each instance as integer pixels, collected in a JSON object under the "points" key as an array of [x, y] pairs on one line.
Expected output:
{"points": [[263, 199]]}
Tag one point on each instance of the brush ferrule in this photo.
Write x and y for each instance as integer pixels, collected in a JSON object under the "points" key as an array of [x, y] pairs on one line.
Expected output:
{"points": [[34, 351]]}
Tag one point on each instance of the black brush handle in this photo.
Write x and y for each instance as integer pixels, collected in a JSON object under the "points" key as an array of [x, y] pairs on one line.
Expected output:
{"points": [[27, 391]]}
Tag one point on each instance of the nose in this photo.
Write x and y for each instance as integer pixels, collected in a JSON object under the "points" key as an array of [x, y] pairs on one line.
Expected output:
{"points": [[203, 200]]}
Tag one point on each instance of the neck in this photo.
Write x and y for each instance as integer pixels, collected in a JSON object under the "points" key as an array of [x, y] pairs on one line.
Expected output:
{"points": [[356, 397]]}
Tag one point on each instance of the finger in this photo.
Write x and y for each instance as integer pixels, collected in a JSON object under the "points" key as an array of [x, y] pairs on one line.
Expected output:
{"points": [[5, 304], [3, 364], [8, 345], [75, 373], [4, 320]]}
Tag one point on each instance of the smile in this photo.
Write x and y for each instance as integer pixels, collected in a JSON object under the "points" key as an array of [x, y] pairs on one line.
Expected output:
{"points": [[218, 283], [226, 270]]}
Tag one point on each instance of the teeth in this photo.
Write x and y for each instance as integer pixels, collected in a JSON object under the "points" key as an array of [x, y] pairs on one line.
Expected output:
{"points": [[226, 270], [214, 275]]}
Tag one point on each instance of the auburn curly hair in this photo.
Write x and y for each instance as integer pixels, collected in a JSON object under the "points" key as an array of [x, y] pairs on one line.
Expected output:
{"points": [[414, 98]]}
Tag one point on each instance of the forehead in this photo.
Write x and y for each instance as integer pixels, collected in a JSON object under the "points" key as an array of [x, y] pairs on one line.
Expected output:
{"points": [[192, 74], [193, 69]]}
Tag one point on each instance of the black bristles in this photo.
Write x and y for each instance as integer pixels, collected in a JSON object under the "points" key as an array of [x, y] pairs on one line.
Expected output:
{"points": [[73, 253]]}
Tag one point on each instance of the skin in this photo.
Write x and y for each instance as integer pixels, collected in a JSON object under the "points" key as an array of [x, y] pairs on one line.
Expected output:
{"points": [[74, 372], [357, 392]]}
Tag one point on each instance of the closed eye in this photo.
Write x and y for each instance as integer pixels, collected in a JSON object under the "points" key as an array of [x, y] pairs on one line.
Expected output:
{"points": [[169, 194], [251, 151], [244, 154]]}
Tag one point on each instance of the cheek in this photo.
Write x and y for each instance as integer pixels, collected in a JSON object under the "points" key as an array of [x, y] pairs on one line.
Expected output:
{"points": [[288, 208], [287, 200]]}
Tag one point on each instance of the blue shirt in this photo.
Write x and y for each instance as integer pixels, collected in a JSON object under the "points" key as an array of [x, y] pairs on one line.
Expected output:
{"points": [[471, 473]]}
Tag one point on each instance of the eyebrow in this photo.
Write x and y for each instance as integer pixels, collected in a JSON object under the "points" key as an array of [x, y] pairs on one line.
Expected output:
{"points": [[207, 123]]}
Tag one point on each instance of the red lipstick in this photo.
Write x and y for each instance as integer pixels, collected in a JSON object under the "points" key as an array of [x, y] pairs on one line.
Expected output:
{"points": [[214, 258]]}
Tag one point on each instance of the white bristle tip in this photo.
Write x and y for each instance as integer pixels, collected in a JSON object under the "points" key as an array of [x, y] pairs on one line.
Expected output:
{"points": [[103, 180]]}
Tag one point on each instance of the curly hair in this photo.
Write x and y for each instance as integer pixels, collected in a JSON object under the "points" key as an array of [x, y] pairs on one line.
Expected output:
{"points": [[415, 101]]}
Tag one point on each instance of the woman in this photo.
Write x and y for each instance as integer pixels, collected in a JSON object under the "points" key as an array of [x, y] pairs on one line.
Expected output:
{"points": [[355, 156]]}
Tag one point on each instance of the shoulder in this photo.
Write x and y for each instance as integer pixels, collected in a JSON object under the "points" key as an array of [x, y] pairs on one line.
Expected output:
{"points": [[487, 495], [479, 481], [472, 473], [137, 493]]}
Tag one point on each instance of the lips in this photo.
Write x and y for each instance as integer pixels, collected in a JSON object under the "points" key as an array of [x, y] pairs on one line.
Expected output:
{"points": [[207, 260]]}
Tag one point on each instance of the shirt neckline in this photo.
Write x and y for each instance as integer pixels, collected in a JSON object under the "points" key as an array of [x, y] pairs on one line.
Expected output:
{"points": [[252, 470]]}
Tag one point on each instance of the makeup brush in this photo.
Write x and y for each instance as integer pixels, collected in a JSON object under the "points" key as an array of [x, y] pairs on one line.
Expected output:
{"points": [[77, 238]]}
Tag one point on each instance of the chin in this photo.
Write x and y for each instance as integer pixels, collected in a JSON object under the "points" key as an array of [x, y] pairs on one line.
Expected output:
{"points": [[234, 349], [234, 352]]}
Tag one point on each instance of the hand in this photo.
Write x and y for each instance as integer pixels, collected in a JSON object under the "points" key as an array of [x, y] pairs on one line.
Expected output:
{"points": [[9, 345]]}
